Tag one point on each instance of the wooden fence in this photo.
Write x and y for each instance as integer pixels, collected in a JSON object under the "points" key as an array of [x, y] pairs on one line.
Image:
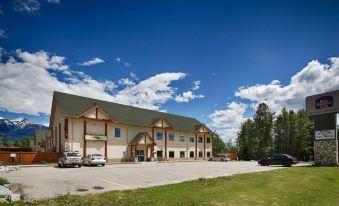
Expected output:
{"points": [[29, 157]]}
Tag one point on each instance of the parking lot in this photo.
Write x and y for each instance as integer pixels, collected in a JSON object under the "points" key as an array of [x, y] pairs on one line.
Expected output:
{"points": [[44, 182]]}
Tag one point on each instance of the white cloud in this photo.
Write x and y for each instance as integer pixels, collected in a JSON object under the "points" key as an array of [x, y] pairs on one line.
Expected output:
{"points": [[126, 64], [314, 78], [27, 6], [95, 60], [117, 59], [227, 121], [27, 83], [187, 96], [150, 93], [134, 76], [53, 1], [126, 82], [3, 34], [196, 85]]}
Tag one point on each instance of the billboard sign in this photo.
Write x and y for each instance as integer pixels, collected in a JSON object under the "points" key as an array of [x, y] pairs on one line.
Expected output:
{"points": [[322, 103], [95, 137], [324, 134]]}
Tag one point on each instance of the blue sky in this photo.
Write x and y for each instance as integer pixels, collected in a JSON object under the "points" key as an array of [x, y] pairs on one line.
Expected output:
{"points": [[235, 49]]}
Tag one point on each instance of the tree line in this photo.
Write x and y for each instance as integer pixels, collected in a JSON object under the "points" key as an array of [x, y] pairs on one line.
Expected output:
{"points": [[266, 133]]}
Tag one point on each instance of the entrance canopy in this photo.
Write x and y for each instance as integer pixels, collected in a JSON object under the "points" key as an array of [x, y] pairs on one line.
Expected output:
{"points": [[142, 138]]}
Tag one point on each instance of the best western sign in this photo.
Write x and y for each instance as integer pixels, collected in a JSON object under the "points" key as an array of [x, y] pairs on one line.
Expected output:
{"points": [[325, 134], [322, 103]]}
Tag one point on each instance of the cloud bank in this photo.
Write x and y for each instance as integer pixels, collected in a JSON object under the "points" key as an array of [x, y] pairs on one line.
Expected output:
{"points": [[27, 82], [315, 78]]}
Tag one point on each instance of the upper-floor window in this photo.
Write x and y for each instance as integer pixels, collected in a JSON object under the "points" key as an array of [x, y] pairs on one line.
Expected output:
{"points": [[200, 139], [208, 140], [170, 137], [191, 139], [117, 132], [182, 138], [159, 135]]}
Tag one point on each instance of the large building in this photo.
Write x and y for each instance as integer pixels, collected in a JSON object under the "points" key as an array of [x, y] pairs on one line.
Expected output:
{"points": [[124, 133], [323, 109]]}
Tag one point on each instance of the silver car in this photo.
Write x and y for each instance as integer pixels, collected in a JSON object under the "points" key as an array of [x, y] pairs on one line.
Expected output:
{"points": [[94, 159], [220, 158], [70, 158]]}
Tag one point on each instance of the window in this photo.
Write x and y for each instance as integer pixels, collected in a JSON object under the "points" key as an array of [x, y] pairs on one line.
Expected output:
{"points": [[200, 139], [182, 138], [170, 137], [191, 139], [159, 153], [182, 154], [191, 154], [159, 135], [200, 154], [208, 140], [208, 154], [171, 154], [117, 132]]}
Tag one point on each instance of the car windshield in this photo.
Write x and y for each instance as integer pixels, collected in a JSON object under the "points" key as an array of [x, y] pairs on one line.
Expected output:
{"points": [[97, 155], [73, 154]]}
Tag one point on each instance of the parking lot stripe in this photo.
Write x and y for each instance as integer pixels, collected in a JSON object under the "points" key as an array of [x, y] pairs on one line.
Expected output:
{"points": [[114, 183], [159, 178]]}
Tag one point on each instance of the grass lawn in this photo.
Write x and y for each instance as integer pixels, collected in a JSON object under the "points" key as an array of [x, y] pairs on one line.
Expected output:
{"points": [[292, 186]]}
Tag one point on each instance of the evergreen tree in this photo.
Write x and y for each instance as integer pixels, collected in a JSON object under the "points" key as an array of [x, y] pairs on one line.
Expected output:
{"points": [[263, 124], [218, 144]]}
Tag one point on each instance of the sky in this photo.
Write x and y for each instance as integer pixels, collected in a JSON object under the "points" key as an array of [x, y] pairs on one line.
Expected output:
{"points": [[211, 60]]}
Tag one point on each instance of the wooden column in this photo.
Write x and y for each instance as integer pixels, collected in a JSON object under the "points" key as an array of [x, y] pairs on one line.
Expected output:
{"points": [[204, 146], [84, 150], [196, 146], [66, 128], [52, 136], [152, 148], [165, 144], [59, 137], [106, 139], [56, 137]]}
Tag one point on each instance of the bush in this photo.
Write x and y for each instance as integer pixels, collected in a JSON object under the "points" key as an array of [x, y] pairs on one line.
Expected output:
{"points": [[3, 181]]}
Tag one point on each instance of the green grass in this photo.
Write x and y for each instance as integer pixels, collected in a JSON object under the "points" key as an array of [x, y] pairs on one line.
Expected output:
{"points": [[292, 186]]}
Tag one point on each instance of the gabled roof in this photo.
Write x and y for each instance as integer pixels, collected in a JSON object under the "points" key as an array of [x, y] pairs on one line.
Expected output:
{"points": [[139, 137], [73, 106]]}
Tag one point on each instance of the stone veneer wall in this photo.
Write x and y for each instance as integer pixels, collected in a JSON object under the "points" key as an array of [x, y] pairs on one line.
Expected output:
{"points": [[325, 152]]}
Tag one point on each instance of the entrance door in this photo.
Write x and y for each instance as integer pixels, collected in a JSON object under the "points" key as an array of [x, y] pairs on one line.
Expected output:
{"points": [[141, 155]]}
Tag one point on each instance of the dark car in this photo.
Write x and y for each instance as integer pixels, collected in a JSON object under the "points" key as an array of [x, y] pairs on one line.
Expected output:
{"points": [[277, 159]]}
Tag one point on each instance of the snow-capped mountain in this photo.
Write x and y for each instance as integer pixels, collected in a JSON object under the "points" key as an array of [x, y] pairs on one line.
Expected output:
{"points": [[17, 128]]}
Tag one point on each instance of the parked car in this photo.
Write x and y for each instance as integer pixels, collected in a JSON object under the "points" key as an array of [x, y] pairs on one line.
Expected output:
{"points": [[277, 159], [70, 158], [94, 159], [220, 158]]}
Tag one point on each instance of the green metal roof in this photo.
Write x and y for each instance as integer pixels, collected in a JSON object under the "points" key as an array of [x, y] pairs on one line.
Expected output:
{"points": [[73, 105]]}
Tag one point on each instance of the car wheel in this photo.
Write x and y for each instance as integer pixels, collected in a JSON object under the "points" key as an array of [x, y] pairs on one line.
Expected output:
{"points": [[262, 164], [103, 165], [62, 164], [59, 165], [79, 165]]}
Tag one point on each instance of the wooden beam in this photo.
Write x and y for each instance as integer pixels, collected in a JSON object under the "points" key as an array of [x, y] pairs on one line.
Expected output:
{"points": [[204, 146], [165, 144], [66, 128], [196, 146], [106, 139], [96, 112], [84, 150], [59, 137]]}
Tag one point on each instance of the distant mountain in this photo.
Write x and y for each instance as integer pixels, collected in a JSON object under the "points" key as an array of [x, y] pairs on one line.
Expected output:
{"points": [[17, 128]]}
